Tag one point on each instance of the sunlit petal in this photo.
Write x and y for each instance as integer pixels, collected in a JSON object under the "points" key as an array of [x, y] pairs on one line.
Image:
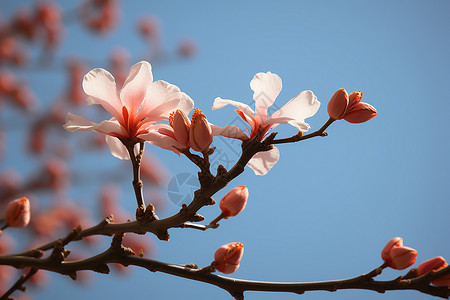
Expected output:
{"points": [[266, 88], [229, 131], [262, 162], [135, 86]]}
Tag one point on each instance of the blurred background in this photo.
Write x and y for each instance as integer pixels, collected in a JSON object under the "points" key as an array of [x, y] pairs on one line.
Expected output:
{"points": [[324, 211]]}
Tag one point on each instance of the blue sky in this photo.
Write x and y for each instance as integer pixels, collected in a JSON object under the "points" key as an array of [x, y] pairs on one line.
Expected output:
{"points": [[330, 205]]}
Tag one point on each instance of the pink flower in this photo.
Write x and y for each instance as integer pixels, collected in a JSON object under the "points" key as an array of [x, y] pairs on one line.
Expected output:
{"points": [[135, 109], [397, 256], [266, 87], [435, 264], [350, 107], [234, 202], [17, 213], [227, 257]]}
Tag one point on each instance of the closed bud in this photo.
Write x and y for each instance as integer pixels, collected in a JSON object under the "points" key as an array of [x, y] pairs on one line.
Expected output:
{"points": [[234, 202], [397, 256], [180, 124], [338, 104], [17, 213], [200, 134], [435, 264], [227, 257], [360, 113]]}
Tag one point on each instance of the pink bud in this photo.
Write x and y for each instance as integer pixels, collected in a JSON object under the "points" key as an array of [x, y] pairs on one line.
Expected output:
{"points": [[200, 134], [338, 104], [360, 113], [181, 125], [17, 213], [227, 257], [397, 256], [435, 264], [234, 202]]}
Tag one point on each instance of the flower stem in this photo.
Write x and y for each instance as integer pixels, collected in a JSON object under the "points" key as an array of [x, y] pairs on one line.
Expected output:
{"points": [[137, 182]]}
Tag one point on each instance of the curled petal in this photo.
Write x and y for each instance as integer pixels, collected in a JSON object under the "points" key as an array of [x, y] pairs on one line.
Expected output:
{"points": [[117, 148], [303, 106], [361, 112], [219, 103], [100, 85], [74, 123], [266, 88], [162, 135], [262, 162], [135, 86], [229, 131]]}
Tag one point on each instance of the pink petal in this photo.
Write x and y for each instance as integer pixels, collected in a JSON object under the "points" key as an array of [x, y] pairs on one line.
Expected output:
{"points": [[111, 127], [303, 106], [74, 123], [135, 86], [229, 131], [117, 148], [219, 103], [266, 88], [100, 85], [161, 99], [163, 137], [262, 162]]}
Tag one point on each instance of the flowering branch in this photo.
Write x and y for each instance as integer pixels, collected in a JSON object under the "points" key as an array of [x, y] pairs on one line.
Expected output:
{"points": [[117, 253]]}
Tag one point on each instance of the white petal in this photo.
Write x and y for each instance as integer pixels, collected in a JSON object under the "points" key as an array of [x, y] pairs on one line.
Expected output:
{"points": [[219, 103], [161, 99], [163, 141], [229, 131], [303, 106], [74, 123], [118, 149], [262, 162], [100, 85], [110, 127], [266, 88], [135, 86]]}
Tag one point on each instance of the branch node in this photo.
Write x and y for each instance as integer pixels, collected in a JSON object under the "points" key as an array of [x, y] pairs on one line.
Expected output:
{"points": [[118, 247]]}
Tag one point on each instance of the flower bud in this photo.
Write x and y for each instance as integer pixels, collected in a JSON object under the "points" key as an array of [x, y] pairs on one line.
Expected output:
{"points": [[360, 113], [397, 256], [200, 134], [435, 264], [180, 124], [227, 257], [338, 104], [17, 213], [234, 202]]}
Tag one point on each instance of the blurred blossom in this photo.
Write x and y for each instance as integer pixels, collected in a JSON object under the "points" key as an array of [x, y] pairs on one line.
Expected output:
{"points": [[152, 170], [17, 213], [48, 17], [38, 138], [22, 96], [100, 16], [109, 203], [11, 51], [53, 175], [74, 91], [23, 23], [138, 243], [149, 28], [10, 183], [120, 64], [187, 48]]}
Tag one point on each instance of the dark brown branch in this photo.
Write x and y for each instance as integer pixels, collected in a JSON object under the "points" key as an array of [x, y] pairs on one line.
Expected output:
{"points": [[236, 287], [137, 182], [19, 284], [300, 137]]}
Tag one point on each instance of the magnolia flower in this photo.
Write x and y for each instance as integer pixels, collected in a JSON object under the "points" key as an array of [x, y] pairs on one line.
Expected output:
{"points": [[266, 87], [135, 108]]}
